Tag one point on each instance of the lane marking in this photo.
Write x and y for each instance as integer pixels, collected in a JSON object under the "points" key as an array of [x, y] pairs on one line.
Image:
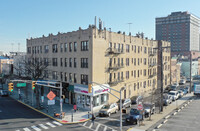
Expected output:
{"points": [[105, 128], [175, 113], [85, 123], [182, 107], [36, 128], [26, 129], [17, 130], [167, 117], [91, 125], [43, 126], [159, 126], [51, 125], [165, 121], [179, 110], [97, 128], [57, 123]]}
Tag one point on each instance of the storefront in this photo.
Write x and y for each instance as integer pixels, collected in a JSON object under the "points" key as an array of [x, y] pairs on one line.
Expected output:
{"points": [[99, 96]]}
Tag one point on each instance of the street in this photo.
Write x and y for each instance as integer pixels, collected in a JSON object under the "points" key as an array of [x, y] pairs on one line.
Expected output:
{"points": [[185, 120]]}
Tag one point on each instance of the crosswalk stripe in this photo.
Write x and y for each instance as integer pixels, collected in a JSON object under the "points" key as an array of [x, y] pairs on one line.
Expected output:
{"points": [[17, 130], [85, 123], [26, 129], [51, 125], [90, 125], [43, 126], [36, 128], [97, 128], [105, 128], [57, 123]]}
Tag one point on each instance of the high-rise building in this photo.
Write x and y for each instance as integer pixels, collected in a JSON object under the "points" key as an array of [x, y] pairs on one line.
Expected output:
{"points": [[181, 29], [98, 55]]}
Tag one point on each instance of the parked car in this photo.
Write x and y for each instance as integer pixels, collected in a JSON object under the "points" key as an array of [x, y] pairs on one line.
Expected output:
{"points": [[184, 91], [180, 93], [148, 108], [182, 82], [134, 116], [136, 99], [188, 79], [3, 92], [187, 88], [174, 95], [125, 103], [167, 99], [107, 110], [176, 84]]}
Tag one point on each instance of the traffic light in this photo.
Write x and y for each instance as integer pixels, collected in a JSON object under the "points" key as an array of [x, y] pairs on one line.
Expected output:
{"points": [[33, 84], [10, 87], [89, 88]]}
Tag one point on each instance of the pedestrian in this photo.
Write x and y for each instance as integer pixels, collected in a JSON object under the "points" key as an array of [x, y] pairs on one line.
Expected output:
{"points": [[93, 119]]}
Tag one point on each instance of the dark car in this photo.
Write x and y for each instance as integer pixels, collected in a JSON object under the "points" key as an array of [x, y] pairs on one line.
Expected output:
{"points": [[134, 116], [3, 92], [184, 91]]}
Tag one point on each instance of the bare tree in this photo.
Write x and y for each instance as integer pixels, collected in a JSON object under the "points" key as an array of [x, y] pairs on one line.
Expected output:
{"points": [[34, 69]]}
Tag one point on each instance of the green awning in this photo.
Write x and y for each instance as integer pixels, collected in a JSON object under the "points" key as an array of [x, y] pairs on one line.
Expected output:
{"points": [[71, 88]]}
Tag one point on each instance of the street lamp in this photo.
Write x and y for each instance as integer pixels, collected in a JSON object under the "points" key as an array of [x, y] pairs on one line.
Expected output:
{"points": [[120, 98]]}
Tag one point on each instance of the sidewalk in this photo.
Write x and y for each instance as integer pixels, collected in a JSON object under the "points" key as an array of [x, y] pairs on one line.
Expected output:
{"points": [[159, 116], [70, 116]]}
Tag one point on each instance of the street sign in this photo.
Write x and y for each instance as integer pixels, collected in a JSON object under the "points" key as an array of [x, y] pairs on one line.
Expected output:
{"points": [[21, 84], [51, 102], [51, 95], [140, 107]]}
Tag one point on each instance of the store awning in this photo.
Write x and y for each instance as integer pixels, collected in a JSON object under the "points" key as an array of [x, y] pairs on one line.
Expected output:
{"points": [[71, 88]]}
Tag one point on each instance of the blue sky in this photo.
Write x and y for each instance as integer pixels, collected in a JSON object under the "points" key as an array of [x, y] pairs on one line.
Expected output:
{"points": [[22, 18]]}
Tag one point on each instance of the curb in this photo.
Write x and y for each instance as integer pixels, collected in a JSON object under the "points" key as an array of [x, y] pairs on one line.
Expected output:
{"points": [[61, 121]]}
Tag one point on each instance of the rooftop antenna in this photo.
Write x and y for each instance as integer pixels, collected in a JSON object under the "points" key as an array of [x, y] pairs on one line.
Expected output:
{"points": [[95, 21], [18, 47], [12, 46], [129, 26]]}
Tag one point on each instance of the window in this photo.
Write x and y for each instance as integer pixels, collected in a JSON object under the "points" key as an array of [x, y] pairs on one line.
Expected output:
{"points": [[110, 77], [138, 73], [46, 62], [138, 61], [135, 49], [134, 73], [75, 46], [54, 48], [127, 48], [46, 74], [122, 62], [145, 61], [70, 62], [84, 62], [127, 74], [46, 49], [84, 79], [145, 50], [118, 76], [61, 62], [145, 72], [65, 76], [132, 47], [40, 49], [70, 47], [54, 61], [75, 78], [138, 49], [70, 77], [127, 61], [65, 47], [110, 45], [65, 62], [29, 50], [74, 62], [55, 75], [118, 62], [144, 84], [61, 47], [61, 76], [122, 76], [84, 45], [134, 61], [131, 73]]}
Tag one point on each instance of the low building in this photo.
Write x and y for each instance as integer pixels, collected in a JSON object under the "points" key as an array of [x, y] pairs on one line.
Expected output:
{"points": [[6, 65], [175, 70]]}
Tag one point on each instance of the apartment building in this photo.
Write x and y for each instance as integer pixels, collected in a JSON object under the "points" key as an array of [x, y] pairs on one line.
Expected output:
{"points": [[181, 29], [100, 56]]}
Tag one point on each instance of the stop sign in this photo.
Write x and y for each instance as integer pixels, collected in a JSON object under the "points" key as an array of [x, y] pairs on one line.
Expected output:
{"points": [[140, 107]]}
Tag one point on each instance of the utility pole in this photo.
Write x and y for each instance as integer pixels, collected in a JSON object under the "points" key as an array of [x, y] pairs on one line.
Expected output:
{"points": [[161, 77], [129, 26], [190, 72]]}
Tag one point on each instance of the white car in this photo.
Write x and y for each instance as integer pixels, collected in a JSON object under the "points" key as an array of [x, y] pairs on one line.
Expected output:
{"points": [[182, 82], [174, 94], [107, 110]]}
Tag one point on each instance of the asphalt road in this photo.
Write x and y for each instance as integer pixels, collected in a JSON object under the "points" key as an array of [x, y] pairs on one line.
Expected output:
{"points": [[185, 120]]}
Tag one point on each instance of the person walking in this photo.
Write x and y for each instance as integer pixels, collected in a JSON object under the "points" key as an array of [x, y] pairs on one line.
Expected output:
{"points": [[93, 119]]}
